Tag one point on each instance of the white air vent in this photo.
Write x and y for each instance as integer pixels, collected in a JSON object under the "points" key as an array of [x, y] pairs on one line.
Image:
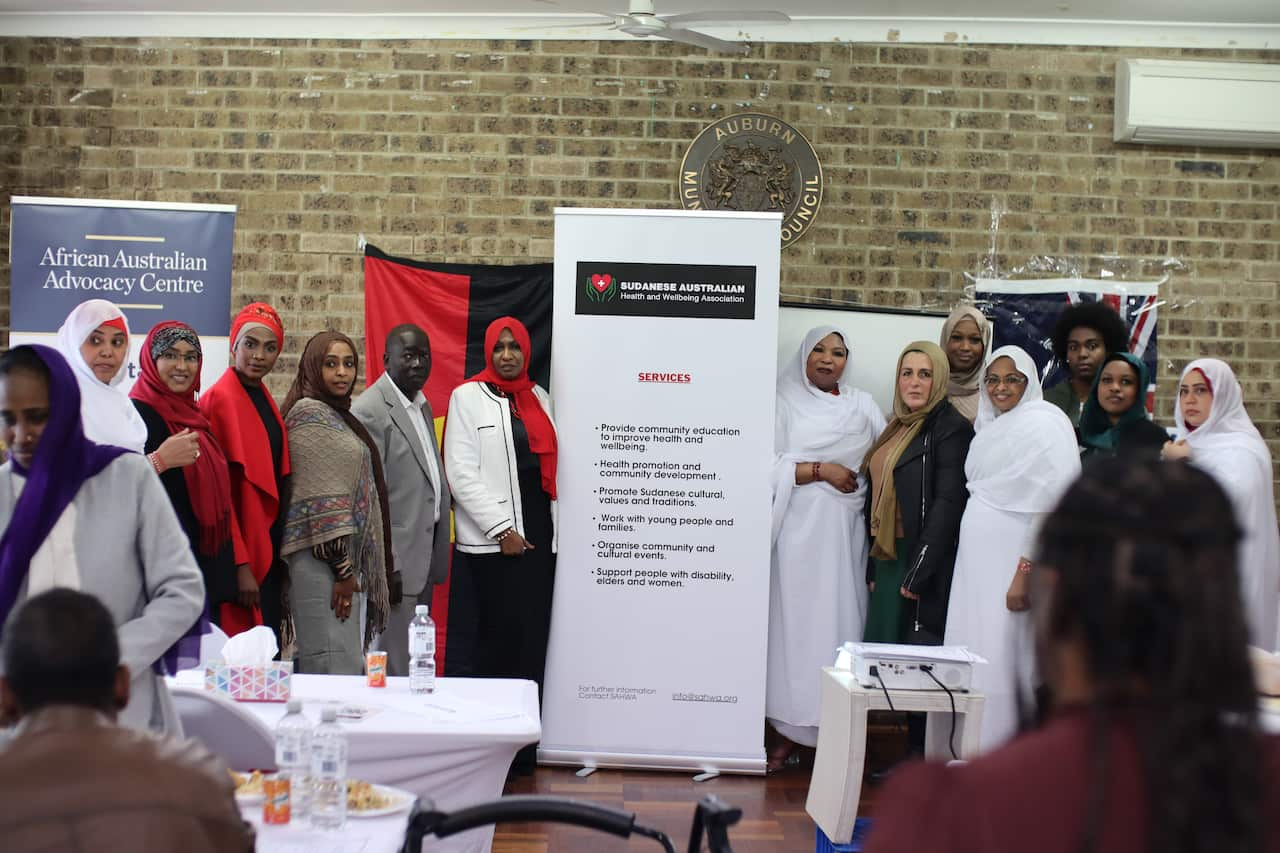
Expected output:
{"points": [[1214, 104]]}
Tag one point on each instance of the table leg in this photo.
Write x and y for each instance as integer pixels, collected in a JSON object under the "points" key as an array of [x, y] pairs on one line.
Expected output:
{"points": [[937, 741], [836, 784], [937, 737], [971, 743]]}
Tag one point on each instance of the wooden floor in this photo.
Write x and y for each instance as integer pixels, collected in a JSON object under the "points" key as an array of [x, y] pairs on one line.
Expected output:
{"points": [[773, 815]]}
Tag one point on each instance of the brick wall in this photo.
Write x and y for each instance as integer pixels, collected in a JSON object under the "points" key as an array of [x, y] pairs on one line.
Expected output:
{"points": [[458, 151]]}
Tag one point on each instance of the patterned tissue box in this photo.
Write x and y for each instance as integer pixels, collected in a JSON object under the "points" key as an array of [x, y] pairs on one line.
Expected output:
{"points": [[250, 683]]}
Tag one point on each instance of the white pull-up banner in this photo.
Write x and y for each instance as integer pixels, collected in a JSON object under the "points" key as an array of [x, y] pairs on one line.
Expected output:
{"points": [[662, 375]]}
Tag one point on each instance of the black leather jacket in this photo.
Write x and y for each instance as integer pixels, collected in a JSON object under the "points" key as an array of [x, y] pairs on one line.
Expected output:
{"points": [[930, 484]]}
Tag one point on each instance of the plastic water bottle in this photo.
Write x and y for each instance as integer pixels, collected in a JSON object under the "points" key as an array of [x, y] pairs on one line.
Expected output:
{"points": [[293, 757], [328, 772], [422, 651]]}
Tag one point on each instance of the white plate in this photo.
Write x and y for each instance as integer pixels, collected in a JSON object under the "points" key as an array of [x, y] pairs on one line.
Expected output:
{"points": [[400, 801], [252, 799]]}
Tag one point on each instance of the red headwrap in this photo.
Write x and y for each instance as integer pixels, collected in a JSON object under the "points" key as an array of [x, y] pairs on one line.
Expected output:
{"points": [[524, 403], [258, 313], [117, 323], [208, 482]]}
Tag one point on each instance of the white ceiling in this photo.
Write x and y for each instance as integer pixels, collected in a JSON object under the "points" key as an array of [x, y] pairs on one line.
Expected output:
{"points": [[1253, 24]]}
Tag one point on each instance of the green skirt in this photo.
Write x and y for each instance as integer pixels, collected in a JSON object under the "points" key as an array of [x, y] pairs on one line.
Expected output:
{"points": [[888, 619]]}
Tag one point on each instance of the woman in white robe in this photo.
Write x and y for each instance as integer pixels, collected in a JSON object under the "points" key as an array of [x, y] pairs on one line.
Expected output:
{"points": [[817, 596], [95, 518], [1020, 462], [1216, 434], [94, 339]]}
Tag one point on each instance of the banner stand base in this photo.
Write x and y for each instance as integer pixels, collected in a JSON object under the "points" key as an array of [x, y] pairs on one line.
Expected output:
{"points": [[700, 764]]}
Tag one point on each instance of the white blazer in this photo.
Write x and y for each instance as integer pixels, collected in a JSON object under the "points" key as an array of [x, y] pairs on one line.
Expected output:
{"points": [[480, 465]]}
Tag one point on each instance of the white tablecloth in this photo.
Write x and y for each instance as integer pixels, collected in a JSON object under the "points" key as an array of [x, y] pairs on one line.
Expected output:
{"points": [[452, 747], [360, 835]]}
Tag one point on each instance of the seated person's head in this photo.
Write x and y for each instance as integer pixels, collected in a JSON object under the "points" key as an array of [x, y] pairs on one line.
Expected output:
{"points": [[1136, 591], [1137, 606], [60, 648]]}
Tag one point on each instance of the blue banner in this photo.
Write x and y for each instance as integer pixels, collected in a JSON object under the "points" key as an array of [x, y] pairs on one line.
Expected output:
{"points": [[156, 261]]}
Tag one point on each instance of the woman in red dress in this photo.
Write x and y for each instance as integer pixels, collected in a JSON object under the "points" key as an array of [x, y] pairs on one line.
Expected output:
{"points": [[247, 424]]}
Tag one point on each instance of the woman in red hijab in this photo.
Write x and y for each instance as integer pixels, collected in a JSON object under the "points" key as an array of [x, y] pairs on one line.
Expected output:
{"points": [[246, 423], [194, 471], [500, 458]]}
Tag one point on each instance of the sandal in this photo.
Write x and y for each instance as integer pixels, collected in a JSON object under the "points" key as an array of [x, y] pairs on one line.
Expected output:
{"points": [[781, 756]]}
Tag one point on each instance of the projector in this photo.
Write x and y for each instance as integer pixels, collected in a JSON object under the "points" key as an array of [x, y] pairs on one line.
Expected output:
{"points": [[903, 667]]}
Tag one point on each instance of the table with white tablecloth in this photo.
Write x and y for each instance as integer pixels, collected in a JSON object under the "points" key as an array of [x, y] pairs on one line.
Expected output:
{"points": [[361, 835], [452, 747]]}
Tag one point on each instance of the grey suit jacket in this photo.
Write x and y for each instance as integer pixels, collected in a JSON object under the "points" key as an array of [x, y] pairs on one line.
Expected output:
{"points": [[419, 545]]}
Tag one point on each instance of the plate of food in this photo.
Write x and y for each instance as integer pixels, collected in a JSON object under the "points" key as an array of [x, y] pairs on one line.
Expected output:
{"points": [[249, 790], [364, 799]]}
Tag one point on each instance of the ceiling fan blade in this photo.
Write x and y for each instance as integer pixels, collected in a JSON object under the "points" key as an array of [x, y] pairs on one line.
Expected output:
{"points": [[574, 8], [728, 19], [574, 26], [701, 40]]}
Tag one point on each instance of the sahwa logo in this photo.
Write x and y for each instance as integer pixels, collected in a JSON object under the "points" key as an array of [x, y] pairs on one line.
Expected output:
{"points": [[665, 290], [601, 287], [754, 162]]}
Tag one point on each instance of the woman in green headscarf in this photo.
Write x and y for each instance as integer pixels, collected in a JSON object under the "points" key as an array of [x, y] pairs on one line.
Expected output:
{"points": [[1114, 421], [918, 494]]}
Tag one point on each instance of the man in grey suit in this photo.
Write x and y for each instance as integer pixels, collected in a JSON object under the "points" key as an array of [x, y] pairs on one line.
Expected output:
{"points": [[399, 419]]}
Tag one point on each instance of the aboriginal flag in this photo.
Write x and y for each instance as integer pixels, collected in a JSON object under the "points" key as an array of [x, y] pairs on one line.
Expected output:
{"points": [[454, 304]]}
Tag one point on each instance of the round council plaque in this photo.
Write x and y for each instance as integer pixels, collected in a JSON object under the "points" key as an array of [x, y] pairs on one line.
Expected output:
{"points": [[754, 162]]}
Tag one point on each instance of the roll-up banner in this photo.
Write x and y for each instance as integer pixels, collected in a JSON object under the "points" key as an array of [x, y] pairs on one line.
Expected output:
{"points": [[663, 378], [154, 260]]}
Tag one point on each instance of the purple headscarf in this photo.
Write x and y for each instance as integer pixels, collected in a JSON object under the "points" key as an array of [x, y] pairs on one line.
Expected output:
{"points": [[55, 476]]}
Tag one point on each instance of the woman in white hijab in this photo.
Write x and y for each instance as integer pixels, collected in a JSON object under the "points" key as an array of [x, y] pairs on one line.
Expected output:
{"points": [[1216, 434], [1022, 459], [817, 597], [94, 339]]}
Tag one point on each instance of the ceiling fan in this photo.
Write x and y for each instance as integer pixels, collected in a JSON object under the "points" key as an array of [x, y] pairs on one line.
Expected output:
{"points": [[641, 21]]}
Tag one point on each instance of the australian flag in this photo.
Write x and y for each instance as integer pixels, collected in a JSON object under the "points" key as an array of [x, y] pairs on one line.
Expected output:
{"points": [[1023, 313]]}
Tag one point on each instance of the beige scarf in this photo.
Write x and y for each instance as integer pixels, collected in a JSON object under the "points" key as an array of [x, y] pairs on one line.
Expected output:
{"points": [[885, 507]]}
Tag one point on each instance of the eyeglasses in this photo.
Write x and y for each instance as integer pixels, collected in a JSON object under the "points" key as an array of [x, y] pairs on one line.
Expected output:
{"points": [[1013, 381], [188, 358]]}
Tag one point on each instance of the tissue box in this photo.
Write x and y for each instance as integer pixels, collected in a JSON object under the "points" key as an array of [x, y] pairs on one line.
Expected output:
{"points": [[268, 683]]}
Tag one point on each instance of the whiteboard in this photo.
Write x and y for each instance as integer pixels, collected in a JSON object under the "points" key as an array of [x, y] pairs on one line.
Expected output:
{"points": [[876, 339]]}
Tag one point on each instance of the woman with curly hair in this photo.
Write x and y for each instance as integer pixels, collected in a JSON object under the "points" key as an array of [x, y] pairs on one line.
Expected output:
{"points": [[1082, 338]]}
